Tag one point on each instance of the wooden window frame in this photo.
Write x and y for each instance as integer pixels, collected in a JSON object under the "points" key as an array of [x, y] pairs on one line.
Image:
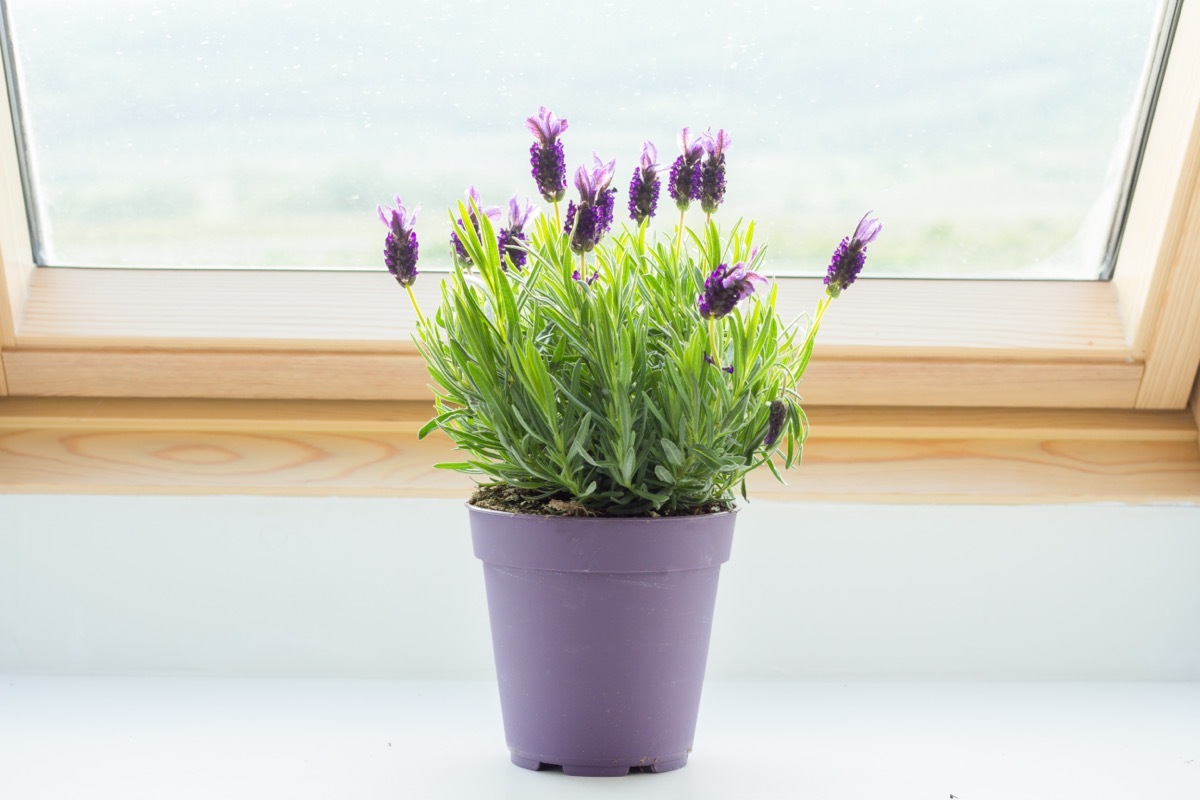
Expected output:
{"points": [[1130, 343]]}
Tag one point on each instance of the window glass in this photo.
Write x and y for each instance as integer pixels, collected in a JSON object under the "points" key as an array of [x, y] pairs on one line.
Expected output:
{"points": [[991, 136]]}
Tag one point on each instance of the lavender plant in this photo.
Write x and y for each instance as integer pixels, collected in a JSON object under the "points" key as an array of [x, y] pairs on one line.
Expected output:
{"points": [[621, 374]]}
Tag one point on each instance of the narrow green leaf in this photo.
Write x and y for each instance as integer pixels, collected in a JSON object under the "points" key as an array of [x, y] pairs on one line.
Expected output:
{"points": [[459, 466], [428, 427], [673, 453]]}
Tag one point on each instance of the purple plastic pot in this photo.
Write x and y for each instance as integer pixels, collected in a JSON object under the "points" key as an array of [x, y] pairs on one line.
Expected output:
{"points": [[600, 629]]}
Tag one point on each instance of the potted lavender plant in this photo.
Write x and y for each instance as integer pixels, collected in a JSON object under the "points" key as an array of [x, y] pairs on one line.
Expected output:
{"points": [[613, 391]]}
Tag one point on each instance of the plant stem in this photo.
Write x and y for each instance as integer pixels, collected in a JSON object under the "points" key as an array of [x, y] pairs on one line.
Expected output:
{"points": [[417, 308], [712, 341], [679, 236], [557, 218], [582, 267]]}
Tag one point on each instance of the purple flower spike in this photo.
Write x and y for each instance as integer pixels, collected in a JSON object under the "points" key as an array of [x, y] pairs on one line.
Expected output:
{"points": [[520, 215], [692, 151], [545, 126], [712, 172], [588, 221], [645, 186], [491, 212], [725, 288], [775, 419], [512, 238], [591, 183], [868, 228], [649, 155], [546, 155], [684, 183], [400, 248], [715, 146], [850, 255]]}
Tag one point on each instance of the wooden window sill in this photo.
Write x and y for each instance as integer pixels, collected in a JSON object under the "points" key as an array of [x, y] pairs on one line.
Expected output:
{"points": [[893, 455]]}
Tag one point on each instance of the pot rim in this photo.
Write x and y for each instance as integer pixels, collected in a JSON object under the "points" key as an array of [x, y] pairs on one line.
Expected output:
{"points": [[601, 544], [474, 509]]}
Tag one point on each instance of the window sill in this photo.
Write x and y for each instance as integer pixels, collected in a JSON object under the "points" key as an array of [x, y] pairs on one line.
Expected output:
{"points": [[858, 455], [303, 738]]}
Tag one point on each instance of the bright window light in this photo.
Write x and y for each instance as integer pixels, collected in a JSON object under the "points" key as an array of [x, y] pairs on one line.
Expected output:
{"points": [[993, 138]]}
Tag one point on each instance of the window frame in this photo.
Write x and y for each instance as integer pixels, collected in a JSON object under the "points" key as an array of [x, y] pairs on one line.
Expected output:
{"points": [[1131, 343]]}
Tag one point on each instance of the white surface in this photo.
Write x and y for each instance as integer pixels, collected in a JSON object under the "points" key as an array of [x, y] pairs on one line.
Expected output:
{"points": [[170, 739], [389, 588]]}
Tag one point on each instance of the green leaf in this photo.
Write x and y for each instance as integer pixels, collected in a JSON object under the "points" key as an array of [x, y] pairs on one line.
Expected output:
{"points": [[673, 453], [627, 466], [459, 466], [428, 427]]}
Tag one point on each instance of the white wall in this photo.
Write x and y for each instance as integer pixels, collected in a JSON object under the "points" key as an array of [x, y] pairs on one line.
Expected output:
{"points": [[389, 588]]}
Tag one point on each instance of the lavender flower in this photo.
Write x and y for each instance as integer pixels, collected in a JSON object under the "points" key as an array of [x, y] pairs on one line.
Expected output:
{"points": [[712, 171], [725, 288], [491, 212], [645, 186], [775, 419], [588, 280], [400, 248], [850, 255], [512, 237], [588, 222], [546, 154], [684, 183]]}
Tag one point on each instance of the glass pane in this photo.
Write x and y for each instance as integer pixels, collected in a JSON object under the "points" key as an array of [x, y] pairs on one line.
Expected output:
{"points": [[990, 137]]}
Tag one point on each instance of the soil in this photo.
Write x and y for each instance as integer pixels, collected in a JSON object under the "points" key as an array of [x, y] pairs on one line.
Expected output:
{"points": [[499, 497]]}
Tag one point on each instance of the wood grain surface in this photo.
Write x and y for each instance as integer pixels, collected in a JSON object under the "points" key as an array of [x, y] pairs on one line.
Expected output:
{"points": [[1166, 190], [403, 377], [853, 454], [260, 310], [1173, 343]]}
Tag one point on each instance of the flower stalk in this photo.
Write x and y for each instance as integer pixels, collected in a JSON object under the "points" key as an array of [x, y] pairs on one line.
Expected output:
{"points": [[847, 263], [684, 182], [400, 248]]}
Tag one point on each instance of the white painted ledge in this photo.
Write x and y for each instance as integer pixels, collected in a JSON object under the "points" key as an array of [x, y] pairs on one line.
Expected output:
{"points": [[177, 738], [328, 587]]}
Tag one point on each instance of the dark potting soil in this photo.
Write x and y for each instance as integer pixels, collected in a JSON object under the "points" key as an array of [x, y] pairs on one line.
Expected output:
{"points": [[528, 501]]}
